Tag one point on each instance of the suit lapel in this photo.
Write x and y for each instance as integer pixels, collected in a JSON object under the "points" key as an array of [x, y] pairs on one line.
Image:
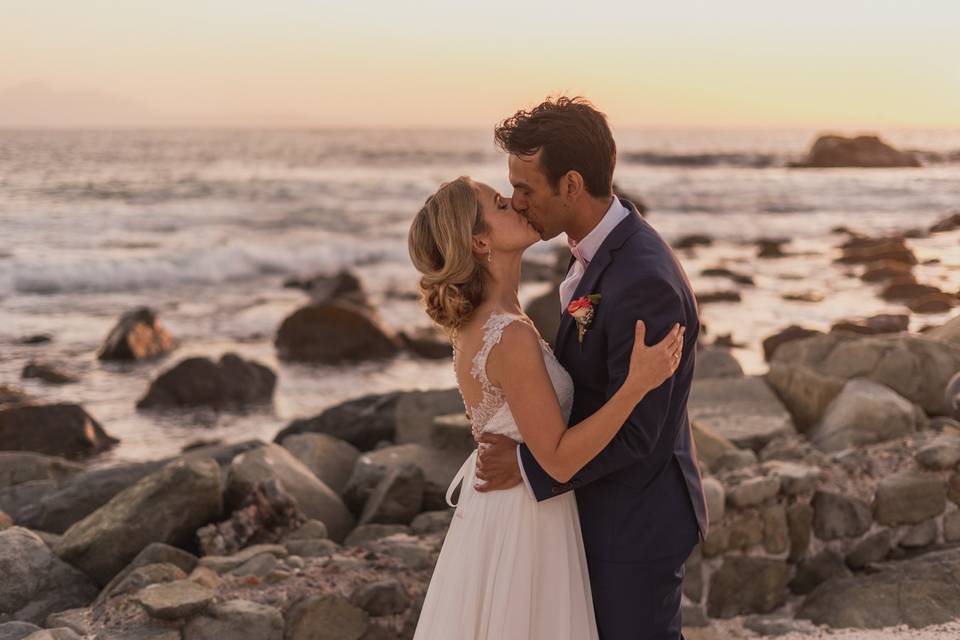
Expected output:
{"points": [[626, 228]]}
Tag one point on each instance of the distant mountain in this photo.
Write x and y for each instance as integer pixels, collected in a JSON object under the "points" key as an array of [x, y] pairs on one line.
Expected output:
{"points": [[33, 104]]}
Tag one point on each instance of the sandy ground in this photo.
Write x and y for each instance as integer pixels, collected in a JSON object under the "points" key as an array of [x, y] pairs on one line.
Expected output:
{"points": [[734, 630]]}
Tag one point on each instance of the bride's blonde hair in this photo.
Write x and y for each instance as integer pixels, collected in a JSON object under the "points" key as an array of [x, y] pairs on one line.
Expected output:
{"points": [[453, 279]]}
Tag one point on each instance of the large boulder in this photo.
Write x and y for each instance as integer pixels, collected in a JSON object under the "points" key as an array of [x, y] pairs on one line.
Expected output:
{"points": [[909, 498], [315, 499], [35, 583], [365, 422], [333, 332], [167, 506], [743, 410], [804, 392], [324, 287], [10, 395], [65, 430], [864, 413], [326, 617], [544, 310], [17, 467], [830, 151], [237, 620], [714, 362], [138, 334], [329, 458], [916, 367], [949, 332], [230, 383], [791, 333], [438, 467], [918, 592], [839, 516]]}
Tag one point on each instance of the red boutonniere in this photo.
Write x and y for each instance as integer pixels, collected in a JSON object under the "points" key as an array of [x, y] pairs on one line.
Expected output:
{"points": [[582, 311]]}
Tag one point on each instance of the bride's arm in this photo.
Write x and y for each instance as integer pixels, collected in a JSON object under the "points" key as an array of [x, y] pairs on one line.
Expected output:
{"points": [[518, 368]]}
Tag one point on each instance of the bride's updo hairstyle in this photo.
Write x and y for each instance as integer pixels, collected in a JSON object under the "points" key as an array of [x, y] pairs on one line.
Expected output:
{"points": [[440, 244]]}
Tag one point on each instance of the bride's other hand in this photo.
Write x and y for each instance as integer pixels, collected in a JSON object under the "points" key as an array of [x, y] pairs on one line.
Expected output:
{"points": [[652, 366], [497, 464]]}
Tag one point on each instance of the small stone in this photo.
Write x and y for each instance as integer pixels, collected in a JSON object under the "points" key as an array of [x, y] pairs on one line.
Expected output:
{"points": [[735, 459], [236, 620], [942, 453], [309, 530], [951, 527], [838, 516], [909, 498], [693, 616], [744, 585], [873, 548], [746, 530], [919, 535], [175, 600], [326, 617], [953, 488], [800, 526], [795, 478], [224, 564], [820, 568], [311, 548], [259, 566], [382, 598], [753, 491], [714, 496], [776, 535]]}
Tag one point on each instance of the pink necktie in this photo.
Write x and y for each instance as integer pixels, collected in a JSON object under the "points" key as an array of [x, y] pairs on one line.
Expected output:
{"points": [[569, 284]]}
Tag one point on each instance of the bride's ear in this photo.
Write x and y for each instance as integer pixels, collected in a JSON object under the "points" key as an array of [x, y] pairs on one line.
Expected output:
{"points": [[480, 245]]}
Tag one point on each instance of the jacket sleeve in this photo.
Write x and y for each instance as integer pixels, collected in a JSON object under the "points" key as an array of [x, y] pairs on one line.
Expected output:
{"points": [[645, 436]]}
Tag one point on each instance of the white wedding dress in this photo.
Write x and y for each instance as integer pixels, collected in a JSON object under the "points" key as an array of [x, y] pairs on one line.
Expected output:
{"points": [[510, 568]]}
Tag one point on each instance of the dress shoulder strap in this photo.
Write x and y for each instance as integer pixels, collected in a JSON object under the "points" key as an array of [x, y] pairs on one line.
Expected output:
{"points": [[492, 332]]}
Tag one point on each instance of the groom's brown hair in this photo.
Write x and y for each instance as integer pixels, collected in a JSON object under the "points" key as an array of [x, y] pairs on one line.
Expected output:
{"points": [[572, 135]]}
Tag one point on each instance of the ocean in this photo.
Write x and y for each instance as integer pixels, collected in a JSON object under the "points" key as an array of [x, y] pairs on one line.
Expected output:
{"points": [[204, 226]]}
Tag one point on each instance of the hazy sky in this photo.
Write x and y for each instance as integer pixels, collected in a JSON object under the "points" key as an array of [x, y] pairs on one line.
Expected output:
{"points": [[838, 63]]}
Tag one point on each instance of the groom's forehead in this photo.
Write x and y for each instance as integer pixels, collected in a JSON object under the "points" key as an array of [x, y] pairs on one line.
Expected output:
{"points": [[524, 168]]}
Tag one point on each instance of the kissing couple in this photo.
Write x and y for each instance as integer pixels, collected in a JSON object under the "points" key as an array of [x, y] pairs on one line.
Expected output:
{"points": [[583, 500]]}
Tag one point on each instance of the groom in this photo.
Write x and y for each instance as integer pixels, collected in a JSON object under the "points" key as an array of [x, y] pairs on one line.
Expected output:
{"points": [[641, 505]]}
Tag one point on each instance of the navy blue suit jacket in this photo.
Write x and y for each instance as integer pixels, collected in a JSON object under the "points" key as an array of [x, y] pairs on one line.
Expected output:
{"points": [[640, 499]]}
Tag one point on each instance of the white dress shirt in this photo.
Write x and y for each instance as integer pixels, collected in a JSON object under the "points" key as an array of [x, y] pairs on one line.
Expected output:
{"points": [[583, 251]]}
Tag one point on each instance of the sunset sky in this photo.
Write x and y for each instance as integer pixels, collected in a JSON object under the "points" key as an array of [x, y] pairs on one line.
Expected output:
{"points": [[457, 64]]}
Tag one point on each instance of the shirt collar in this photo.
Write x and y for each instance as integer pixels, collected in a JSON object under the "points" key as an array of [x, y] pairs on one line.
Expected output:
{"points": [[588, 247]]}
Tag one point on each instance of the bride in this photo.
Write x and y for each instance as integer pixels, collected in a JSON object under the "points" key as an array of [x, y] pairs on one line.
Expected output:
{"points": [[511, 568]]}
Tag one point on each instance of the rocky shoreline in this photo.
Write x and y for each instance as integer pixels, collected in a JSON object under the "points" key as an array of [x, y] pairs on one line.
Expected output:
{"points": [[832, 481]]}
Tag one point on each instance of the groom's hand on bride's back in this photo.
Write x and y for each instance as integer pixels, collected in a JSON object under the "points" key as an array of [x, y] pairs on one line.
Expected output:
{"points": [[497, 465]]}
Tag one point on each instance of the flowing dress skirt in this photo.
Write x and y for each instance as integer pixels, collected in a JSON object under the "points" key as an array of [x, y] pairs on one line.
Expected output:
{"points": [[510, 569]]}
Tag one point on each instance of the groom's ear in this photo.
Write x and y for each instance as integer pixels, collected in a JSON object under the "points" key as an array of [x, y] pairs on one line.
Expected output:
{"points": [[571, 185]]}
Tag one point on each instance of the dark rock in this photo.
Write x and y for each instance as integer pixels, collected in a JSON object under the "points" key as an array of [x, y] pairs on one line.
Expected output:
{"points": [[838, 516], [883, 270], [54, 429], [329, 612], [918, 592], [136, 336], [11, 395], [36, 338], [330, 459], [909, 498], [154, 554], [950, 223], [236, 620], [723, 272], [874, 548], [17, 467], [693, 240], [381, 598], [884, 323], [745, 585], [397, 498], [438, 467], [873, 250], [898, 291], [427, 343], [343, 285], [431, 522], [707, 297], [632, 198], [544, 310], [934, 302], [335, 332], [816, 570], [167, 506], [230, 383], [363, 422], [453, 433], [800, 527], [50, 373], [793, 332], [831, 151], [713, 362]]}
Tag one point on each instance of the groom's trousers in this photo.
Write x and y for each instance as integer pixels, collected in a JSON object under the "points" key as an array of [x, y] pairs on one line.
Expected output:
{"points": [[648, 609]]}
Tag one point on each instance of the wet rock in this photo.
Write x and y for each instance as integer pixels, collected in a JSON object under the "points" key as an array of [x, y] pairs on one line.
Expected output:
{"points": [[949, 223], [745, 585], [743, 410], [874, 250], [909, 498], [883, 270], [838, 516], [918, 592], [874, 325], [916, 367], [771, 247], [334, 332], [717, 363], [831, 151], [48, 372], [138, 335], [805, 393], [343, 285], [65, 430], [872, 549], [864, 412], [428, 343], [35, 338], [230, 383], [11, 395], [167, 506], [236, 620], [315, 499], [35, 582], [903, 290], [791, 333], [723, 272], [691, 241], [799, 527], [934, 302], [329, 458]]}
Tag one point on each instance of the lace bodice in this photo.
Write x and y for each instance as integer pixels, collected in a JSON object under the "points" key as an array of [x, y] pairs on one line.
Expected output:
{"points": [[491, 414]]}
